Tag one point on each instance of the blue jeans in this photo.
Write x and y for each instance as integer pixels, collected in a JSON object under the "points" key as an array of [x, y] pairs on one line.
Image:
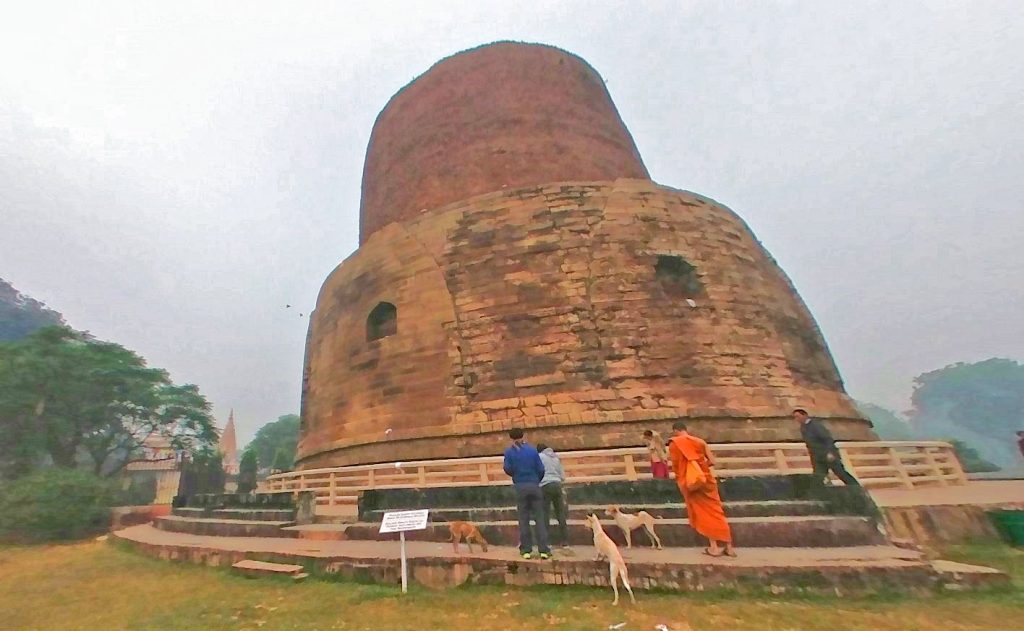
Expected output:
{"points": [[530, 506]]}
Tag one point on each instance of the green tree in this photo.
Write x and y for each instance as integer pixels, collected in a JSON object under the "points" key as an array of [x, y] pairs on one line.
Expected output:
{"points": [[203, 473], [970, 459], [79, 401], [886, 423], [282, 461], [21, 315], [282, 434], [981, 404], [247, 472]]}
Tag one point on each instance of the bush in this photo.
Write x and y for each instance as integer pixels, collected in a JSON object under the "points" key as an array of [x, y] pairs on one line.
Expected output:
{"points": [[54, 504], [140, 491]]}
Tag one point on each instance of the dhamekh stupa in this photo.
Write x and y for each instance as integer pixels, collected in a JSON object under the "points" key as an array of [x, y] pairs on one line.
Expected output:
{"points": [[519, 268]]}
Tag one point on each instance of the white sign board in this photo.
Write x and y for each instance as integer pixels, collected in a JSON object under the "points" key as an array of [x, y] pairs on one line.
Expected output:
{"points": [[403, 521]]}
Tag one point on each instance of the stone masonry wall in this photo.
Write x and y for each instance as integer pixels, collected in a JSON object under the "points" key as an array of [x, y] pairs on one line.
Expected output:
{"points": [[500, 116], [542, 307]]}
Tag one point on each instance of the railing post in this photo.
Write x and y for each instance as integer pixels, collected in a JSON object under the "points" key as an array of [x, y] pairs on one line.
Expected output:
{"points": [[934, 464], [371, 479], [333, 491], [422, 470], [484, 477], [630, 468], [958, 466], [901, 472]]}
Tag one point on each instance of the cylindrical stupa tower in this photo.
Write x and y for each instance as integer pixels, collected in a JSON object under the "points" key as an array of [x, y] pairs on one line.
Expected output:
{"points": [[518, 268]]}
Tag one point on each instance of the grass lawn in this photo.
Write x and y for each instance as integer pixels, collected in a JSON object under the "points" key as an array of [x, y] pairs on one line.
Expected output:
{"points": [[97, 586]]}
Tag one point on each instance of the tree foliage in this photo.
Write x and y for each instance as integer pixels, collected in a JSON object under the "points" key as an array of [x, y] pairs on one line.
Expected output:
{"points": [[74, 400], [283, 435], [202, 473], [247, 468], [970, 459], [283, 461], [886, 423], [21, 315], [980, 403]]}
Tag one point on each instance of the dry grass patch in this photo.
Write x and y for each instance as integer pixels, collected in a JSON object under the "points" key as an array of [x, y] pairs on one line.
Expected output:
{"points": [[97, 586]]}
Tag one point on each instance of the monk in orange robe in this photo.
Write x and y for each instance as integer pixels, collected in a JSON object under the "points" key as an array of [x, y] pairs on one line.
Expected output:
{"points": [[704, 505]]}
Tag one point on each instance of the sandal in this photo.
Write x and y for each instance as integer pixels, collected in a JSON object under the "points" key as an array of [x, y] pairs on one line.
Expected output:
{"points": [[730, 553], [708, 552]]}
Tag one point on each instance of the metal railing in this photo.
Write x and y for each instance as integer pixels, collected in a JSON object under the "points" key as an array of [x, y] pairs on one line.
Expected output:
{"points": [[880, 464]]}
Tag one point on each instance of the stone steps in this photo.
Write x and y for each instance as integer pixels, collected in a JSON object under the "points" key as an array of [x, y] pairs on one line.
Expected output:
{"points": [[777, 531], [747, 497], [664, 511], [224, 527], [254, 569], [240, 514], [833, 572]]}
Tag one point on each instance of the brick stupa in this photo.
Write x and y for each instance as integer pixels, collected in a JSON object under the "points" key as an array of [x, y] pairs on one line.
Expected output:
{"points": [[518, 267]]}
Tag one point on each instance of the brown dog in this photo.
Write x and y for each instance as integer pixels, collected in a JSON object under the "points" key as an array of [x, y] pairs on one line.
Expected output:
{"points": [[464, 530]]}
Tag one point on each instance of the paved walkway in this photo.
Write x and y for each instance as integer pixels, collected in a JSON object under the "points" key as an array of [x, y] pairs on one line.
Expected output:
{"points": [[987, 492], [854, 556]]}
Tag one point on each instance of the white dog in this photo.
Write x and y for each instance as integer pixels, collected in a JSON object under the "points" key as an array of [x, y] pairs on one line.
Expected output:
{"points": [[616, 566], [629, 522]]}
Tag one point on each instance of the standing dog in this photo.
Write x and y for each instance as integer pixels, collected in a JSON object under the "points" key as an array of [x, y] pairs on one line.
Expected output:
{"points": [[616, 566], [628, 523], [464, 530]]}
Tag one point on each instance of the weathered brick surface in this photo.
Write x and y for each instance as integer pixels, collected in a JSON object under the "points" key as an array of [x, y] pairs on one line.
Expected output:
{"points": [[540, 307], [503, 115]]}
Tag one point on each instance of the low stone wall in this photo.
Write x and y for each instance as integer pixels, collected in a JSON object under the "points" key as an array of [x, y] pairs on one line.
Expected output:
{"points": [[941, 525], [124, 516]]}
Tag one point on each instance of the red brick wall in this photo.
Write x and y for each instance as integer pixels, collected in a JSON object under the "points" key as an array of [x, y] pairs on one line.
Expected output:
{"points": [[503, 115], [539, 307]]}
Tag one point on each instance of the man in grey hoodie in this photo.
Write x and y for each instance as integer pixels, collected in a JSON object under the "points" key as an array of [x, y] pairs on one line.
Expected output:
{"points": [[554, 494]]}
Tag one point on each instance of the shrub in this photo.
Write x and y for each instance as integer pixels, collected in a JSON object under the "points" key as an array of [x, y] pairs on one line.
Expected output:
{"points": [[140, 490], [54, 504]]}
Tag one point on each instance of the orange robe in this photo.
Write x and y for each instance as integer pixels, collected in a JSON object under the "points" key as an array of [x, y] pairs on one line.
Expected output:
{"points": [[703, 507]]}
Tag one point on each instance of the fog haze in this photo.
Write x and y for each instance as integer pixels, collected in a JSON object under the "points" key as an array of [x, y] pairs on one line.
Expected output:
{"points": [[173, 175]]}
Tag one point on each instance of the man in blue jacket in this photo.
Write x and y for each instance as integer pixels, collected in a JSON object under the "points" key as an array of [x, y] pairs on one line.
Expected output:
{"points": [[523, 464]]}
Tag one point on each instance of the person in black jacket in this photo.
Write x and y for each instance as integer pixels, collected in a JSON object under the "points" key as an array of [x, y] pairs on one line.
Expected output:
{"points": [[822, 447]]}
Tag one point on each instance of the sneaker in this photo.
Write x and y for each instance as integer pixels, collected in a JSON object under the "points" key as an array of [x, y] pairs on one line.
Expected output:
{"points": [[526, 555], [544, 556]]}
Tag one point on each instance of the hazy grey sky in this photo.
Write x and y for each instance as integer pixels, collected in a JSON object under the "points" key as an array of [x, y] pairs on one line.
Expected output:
{"points": [[173, 174]]}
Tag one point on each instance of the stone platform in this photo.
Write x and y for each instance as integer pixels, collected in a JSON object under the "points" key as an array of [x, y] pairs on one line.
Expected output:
{"points": [[791, 538], [764, 511], [838, 571], [948, 514]]}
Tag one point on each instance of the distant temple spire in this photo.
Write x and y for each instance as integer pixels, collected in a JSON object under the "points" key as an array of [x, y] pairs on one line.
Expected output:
{"points": [[228, 446]]}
